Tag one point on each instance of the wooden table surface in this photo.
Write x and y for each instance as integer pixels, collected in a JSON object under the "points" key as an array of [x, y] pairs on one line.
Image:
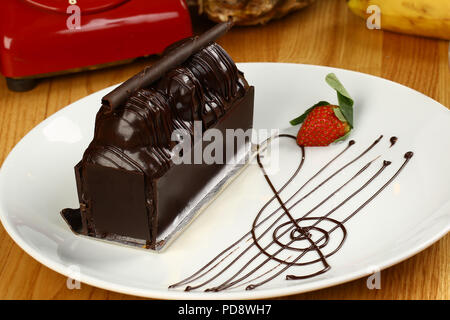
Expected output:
{"points": [[326, 33]]}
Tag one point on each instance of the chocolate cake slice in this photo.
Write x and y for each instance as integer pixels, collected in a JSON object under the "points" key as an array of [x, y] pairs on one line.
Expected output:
{"points": [[129, 187]]}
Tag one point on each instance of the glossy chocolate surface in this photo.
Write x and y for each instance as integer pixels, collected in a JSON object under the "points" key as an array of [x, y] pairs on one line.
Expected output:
{"points": [[128, 185], [172, 58]]}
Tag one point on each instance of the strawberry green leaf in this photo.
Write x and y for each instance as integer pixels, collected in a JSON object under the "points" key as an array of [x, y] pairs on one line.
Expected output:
{"points": [[339, 115], [302, 118], [344, 98]]}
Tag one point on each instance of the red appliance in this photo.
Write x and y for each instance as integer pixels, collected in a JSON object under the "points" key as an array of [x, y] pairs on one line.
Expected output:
{"points": [[40, 38]]}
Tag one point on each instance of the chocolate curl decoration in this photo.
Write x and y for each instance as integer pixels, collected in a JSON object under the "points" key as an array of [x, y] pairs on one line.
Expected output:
{"points": [[171, 59]]}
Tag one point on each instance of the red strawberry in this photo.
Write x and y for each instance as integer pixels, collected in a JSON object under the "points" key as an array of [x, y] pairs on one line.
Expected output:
{"points": [[324, 123], [322, 127]]}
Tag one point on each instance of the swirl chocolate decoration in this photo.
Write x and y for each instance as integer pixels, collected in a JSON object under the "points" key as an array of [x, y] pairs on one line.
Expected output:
{"points": [[285, 239]]}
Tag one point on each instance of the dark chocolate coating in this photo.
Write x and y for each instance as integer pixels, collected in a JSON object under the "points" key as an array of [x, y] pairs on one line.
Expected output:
{"points": [[182, 51], [128, 185]]}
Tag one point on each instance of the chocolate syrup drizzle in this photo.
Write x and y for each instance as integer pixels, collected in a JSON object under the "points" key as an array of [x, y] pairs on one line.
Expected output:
{"points": [[393, 140], [299, 230]]}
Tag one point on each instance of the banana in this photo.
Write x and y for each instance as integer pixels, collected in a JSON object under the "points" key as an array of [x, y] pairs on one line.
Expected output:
{"points": [[430, 18]]}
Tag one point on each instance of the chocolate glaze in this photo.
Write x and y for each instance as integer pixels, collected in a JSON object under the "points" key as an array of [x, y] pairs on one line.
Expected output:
{"points": [[128, 186], [137, 136], [299, 229], [174, 56]]}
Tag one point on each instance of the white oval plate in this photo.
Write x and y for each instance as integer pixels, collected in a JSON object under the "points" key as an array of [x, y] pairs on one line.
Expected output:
{"points": [[37, 181]]}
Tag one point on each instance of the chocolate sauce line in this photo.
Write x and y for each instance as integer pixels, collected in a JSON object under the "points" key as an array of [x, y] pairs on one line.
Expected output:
{"points": [[196, 275], [291, 218], [325, 217], [264, 250], [407, 156], [260, 276], [306, 229], [221, 260], [263, 208], [285, 246], [200, 273], [393, 140], [296, 203], [189, 288], [352, 142], [270, 227]]}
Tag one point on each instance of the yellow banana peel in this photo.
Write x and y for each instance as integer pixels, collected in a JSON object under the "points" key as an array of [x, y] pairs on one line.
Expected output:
{"points": [[430, 18]]}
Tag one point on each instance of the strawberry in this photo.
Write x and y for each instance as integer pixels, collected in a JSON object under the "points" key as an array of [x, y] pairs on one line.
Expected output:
{"points": [[325, 123], [321, 127]]}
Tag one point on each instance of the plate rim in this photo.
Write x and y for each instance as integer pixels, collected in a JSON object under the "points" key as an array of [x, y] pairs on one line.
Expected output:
{"points": [[177, 294]]}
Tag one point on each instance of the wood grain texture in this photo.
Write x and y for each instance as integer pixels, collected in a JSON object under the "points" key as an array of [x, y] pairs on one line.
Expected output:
{"points": [[324, 34]]}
